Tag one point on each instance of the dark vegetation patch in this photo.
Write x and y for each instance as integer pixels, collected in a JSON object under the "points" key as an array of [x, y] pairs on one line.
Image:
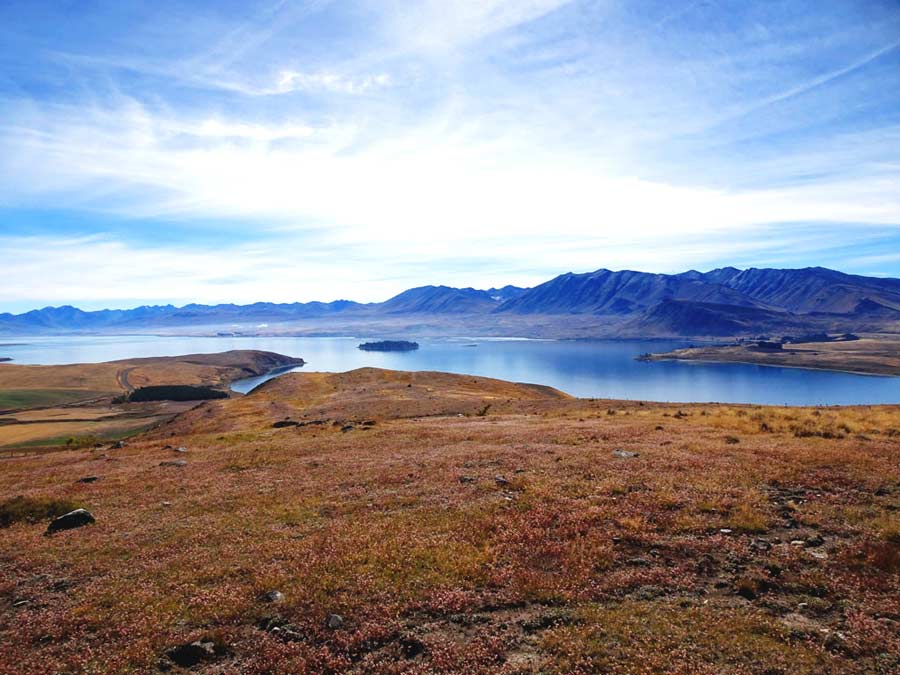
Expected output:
{"points": [[29, 510], [173, 392], [389, 346]]}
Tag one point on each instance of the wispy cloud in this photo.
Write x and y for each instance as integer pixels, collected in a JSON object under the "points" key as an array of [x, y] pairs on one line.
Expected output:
{"points": [[525, 136]]}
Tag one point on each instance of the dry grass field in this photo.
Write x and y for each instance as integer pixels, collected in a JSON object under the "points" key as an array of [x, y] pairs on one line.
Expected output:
{"points": [[431, 523]]}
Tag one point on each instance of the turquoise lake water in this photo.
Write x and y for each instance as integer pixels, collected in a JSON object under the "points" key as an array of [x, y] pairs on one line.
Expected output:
{"points": [[598, 369]]}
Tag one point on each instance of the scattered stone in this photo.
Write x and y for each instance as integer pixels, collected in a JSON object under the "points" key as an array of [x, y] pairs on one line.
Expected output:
{"points": [[411, 647], [71, 520], [466, 479], [61, 585], [369, 423], [285, 423], [799, 625], [623, 454], [193, 653], [836, 642], [500, 480], [818, 555], [815, 540], [177, 462], [725, 530], [272, 596], [797, 542], [648, 593], [288, 633], [334, 621], [637, 562], [167, 503], [21, 603], [347, 427], [89, 479], [118, 445], [180, 449]]}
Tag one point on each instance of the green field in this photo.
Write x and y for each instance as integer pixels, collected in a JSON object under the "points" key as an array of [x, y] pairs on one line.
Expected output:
{"points": [[20, 399]]}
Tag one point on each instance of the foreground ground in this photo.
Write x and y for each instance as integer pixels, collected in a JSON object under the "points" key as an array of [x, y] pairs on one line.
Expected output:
{"points": [[47, 406], [874, 354], [424, 523]]}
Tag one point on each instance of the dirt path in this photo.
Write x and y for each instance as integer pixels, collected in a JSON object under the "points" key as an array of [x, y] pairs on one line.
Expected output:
{"points": [[122, 379]]}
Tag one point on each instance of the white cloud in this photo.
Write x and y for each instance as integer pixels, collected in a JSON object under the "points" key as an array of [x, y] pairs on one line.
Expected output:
{"points": [[423, 188], [456, 141], [441, 24]]}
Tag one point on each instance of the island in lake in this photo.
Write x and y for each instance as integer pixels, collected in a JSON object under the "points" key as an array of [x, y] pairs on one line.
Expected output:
{"points": [[389, 346]]}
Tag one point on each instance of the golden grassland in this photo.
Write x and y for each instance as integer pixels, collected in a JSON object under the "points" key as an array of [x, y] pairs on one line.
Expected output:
{"points": [[874, 354], [47, 405], [461, 524]]}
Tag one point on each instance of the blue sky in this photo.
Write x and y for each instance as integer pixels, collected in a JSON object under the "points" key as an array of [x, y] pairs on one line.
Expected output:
{"points": [[290, 151]]}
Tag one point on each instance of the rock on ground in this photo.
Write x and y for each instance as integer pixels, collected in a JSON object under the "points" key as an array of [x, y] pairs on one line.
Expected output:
{"points": [[71, 520]]}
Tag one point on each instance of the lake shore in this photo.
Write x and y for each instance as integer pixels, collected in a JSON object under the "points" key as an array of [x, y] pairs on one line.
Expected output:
{"points": [[869, 356], [47, 407]]}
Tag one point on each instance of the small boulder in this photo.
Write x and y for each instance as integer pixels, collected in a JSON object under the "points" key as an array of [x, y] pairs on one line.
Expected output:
{"points": [[272, 596], [501, 481], [118, 445], [180, 449], [71, 520], [466, 479], [624, 454], [89, 479], [334, 621], [815, 540]]}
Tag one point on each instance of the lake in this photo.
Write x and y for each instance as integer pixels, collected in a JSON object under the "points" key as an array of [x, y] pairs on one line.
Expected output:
{"points": [[599, 369]]}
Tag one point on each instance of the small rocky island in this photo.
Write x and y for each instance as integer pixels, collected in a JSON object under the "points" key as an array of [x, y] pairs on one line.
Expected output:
{"points": [[389, 346]]}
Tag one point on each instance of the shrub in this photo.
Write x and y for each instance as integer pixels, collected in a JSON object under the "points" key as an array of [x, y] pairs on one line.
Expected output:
{"points": [[29, 510], [82, 441], [175, 392]]}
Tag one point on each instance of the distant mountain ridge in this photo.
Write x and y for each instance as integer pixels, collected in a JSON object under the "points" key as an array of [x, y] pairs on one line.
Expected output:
{"points": [[724, 301]]}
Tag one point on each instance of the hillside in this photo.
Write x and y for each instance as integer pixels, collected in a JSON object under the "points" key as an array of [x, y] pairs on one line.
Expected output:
{"points": [[606, 292], [441, 300], [679, 317], [47, 406], [814, 289], [387, 522], [603, 303]]}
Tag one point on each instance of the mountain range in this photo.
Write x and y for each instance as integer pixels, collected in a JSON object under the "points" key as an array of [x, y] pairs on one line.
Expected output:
{"points": [[722, 302]]}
